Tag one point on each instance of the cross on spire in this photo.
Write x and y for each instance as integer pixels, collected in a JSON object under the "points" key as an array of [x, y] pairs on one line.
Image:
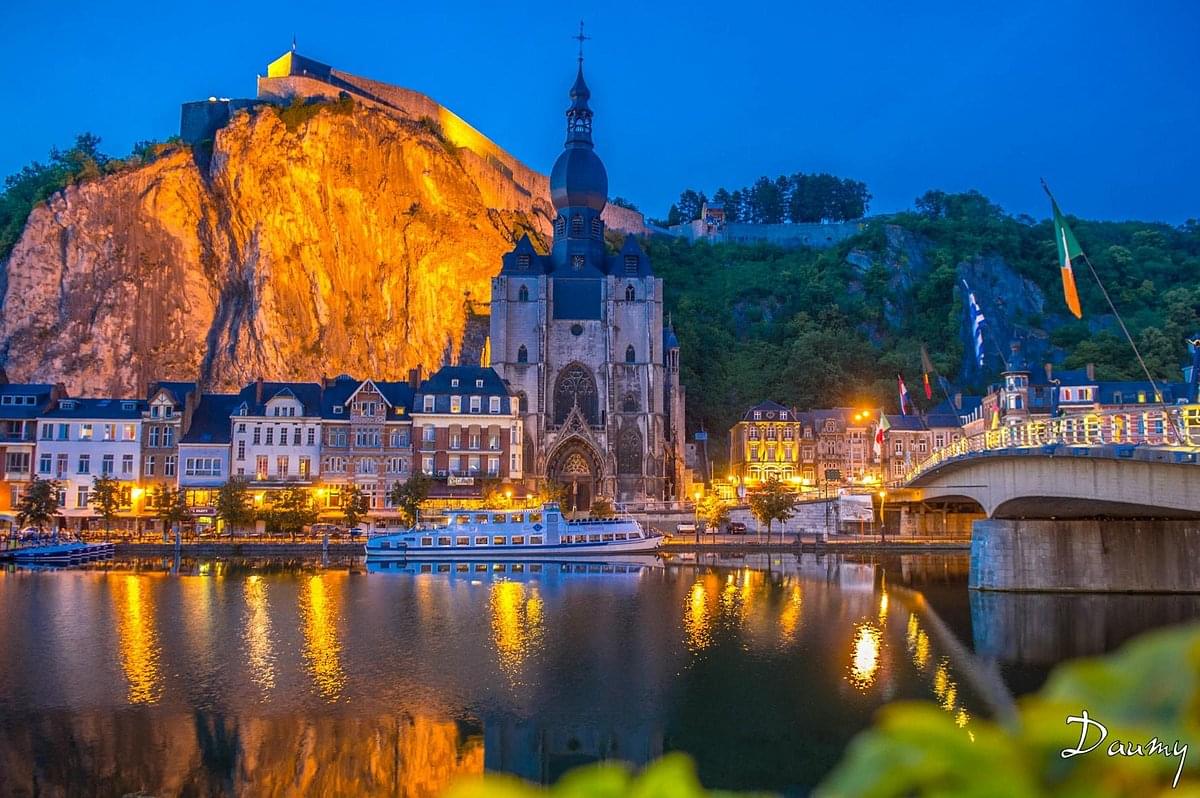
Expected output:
{"points": [[581, 38]]}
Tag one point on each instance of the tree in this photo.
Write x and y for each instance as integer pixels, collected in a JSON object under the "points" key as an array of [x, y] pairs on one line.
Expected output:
{"points": [[105, 499], [171, 507], [713, 511], [690, 203], [621, 202], [354, 507], [773, 501], [602, 508], [39, 503], [407, 496], [550, 491], [293, 510], [234, 505]]}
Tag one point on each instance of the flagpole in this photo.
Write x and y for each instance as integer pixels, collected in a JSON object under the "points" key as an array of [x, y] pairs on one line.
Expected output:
{"points": [[1158, 395]]}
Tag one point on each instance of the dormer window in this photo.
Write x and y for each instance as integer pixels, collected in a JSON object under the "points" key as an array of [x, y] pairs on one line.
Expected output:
{"points": [[67, 404], [478, 383], [338, 410], [128, 406], [523, 261], [454, 383], [631, 265]]}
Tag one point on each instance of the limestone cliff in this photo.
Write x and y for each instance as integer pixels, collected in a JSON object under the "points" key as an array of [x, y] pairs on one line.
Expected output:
{"points": [[350, 242]]}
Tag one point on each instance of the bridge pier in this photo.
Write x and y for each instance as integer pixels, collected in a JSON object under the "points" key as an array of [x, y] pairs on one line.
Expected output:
{"points": [[1115, 555]]}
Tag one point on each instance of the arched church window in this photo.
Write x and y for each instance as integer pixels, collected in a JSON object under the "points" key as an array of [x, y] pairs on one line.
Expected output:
{"points": [[522, 354], [523, 294], [560, 226], [575, 385], [630, 355], [597, 227], [523, 404], [629, 451], [629, 402], [576, 225], [630, 294]]}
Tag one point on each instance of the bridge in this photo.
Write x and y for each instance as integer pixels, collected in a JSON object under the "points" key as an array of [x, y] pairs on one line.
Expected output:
{"points": [[1098, 502]]}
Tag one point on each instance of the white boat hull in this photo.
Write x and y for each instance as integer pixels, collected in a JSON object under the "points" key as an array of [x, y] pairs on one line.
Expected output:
{"points": [[556, 551]]}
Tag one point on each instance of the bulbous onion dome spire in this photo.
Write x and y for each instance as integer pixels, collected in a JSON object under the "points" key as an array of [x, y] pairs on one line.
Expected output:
{"points": [[579, 179]]}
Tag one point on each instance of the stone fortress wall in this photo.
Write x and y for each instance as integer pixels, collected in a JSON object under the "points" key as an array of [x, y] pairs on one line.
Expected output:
{"points": [[819, 236], [505, 182]]}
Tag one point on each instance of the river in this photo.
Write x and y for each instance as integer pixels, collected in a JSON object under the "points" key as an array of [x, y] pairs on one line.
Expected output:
{"points": [[282, 678]]}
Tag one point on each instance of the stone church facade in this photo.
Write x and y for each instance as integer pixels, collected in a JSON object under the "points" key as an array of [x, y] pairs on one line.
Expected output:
{"points": [[578, 335]]}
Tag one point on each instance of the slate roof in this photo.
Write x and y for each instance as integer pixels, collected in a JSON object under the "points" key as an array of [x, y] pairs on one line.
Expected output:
{"points": [[903, 423], [536, 264], [439, 385], [398, 393], [39, 391], [768, 406], [308, 393], [88, 408], [178, 390], [210, 420]]}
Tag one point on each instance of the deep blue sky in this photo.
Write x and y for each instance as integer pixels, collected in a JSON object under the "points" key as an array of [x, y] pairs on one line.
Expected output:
{"points": [[1101, 98]]}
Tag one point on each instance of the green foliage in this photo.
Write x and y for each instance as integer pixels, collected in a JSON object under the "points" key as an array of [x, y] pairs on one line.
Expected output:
{"points": [[234, 505], [105, 498], [290, 511], [39, 503], [602, 508], [407, 496], [354, 505], [796, 198], [713, 511], [1148, 689], [771, 502], [170, 506]]}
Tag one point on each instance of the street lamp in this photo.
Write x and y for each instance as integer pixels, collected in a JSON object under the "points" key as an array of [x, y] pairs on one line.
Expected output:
{"points": [[696, 510], [135, 495], [882, 521]]}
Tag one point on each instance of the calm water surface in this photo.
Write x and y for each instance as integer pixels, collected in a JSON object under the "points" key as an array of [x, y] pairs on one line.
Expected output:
{"points": [[203, 678]]}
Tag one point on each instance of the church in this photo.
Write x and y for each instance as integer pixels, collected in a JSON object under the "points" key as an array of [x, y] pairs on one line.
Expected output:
{"points": [[578, 335]]}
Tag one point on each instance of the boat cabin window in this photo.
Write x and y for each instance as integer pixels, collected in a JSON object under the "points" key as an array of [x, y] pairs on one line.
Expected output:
{"points": [[481, 540], [518, 540], [426, 568], [426, 541], [443, 568], [535, 518], [606, 537], [444, 541], [518, 568], [385, 544], [498, 540], [518, 518], [462, 519], [462, 541], [535, 540], [480, 567], [620, 536], [462, 567], [593, 538], [481, 519]]}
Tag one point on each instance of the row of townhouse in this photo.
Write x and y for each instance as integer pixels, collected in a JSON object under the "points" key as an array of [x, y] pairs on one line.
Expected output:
{"points": [[461, 427], [836, 447]]}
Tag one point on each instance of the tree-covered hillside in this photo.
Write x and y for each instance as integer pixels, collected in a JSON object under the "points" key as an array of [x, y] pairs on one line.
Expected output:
{"points": [[823, 328]]}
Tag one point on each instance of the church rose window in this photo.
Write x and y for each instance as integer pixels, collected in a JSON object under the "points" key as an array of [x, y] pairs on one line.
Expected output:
{"points": [[629, 451], [576, 386], [577, 465]]}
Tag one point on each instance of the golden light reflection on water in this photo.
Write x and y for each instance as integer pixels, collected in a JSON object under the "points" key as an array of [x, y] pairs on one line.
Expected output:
{"points": [[883, 608], [257, 633], [864, 660], [137, 639], [517, 619], [697, 620], [322, 650], [917, 642], [789, 616]]}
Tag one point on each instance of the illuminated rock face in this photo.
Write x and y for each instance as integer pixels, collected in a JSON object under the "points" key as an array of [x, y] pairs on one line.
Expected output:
{"points": [[349, 244]]}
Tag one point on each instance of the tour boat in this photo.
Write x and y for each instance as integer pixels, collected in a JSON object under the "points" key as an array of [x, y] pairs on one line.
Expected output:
{"points": [[511, 568], [541, 533]]}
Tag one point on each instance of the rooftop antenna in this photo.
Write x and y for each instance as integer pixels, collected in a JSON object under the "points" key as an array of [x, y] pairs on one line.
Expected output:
{"points": [[581, 38]]}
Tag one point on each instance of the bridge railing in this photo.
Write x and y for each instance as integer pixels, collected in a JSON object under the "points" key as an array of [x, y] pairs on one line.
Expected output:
{"points": [[1167, 426]]}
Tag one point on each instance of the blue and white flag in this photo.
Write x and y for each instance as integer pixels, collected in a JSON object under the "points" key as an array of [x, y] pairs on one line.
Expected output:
{"points": [[977, 322]]}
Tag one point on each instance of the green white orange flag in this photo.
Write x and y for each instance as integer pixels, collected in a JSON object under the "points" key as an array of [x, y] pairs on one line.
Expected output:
{"points": [[1068, 248]]}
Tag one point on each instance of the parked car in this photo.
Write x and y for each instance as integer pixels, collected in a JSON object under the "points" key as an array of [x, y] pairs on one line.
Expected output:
{"points": [[685, 528], [737, 528]]}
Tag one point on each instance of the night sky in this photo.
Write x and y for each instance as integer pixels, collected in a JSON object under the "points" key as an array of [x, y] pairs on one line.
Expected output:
{"points": [[1101, 98]]}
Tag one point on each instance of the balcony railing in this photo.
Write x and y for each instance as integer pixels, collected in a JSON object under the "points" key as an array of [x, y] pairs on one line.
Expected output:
{"points": [[1170, 427]]}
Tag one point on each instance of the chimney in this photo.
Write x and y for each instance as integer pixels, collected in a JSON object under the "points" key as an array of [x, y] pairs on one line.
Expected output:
{"points": [[325, 382], [190, 401], [58, 391], [1091, 371], [258, 391], [414, 378], [1049, 372]]}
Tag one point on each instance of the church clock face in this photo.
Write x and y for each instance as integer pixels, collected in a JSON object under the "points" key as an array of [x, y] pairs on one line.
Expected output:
{"points": [[577, 262]]}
